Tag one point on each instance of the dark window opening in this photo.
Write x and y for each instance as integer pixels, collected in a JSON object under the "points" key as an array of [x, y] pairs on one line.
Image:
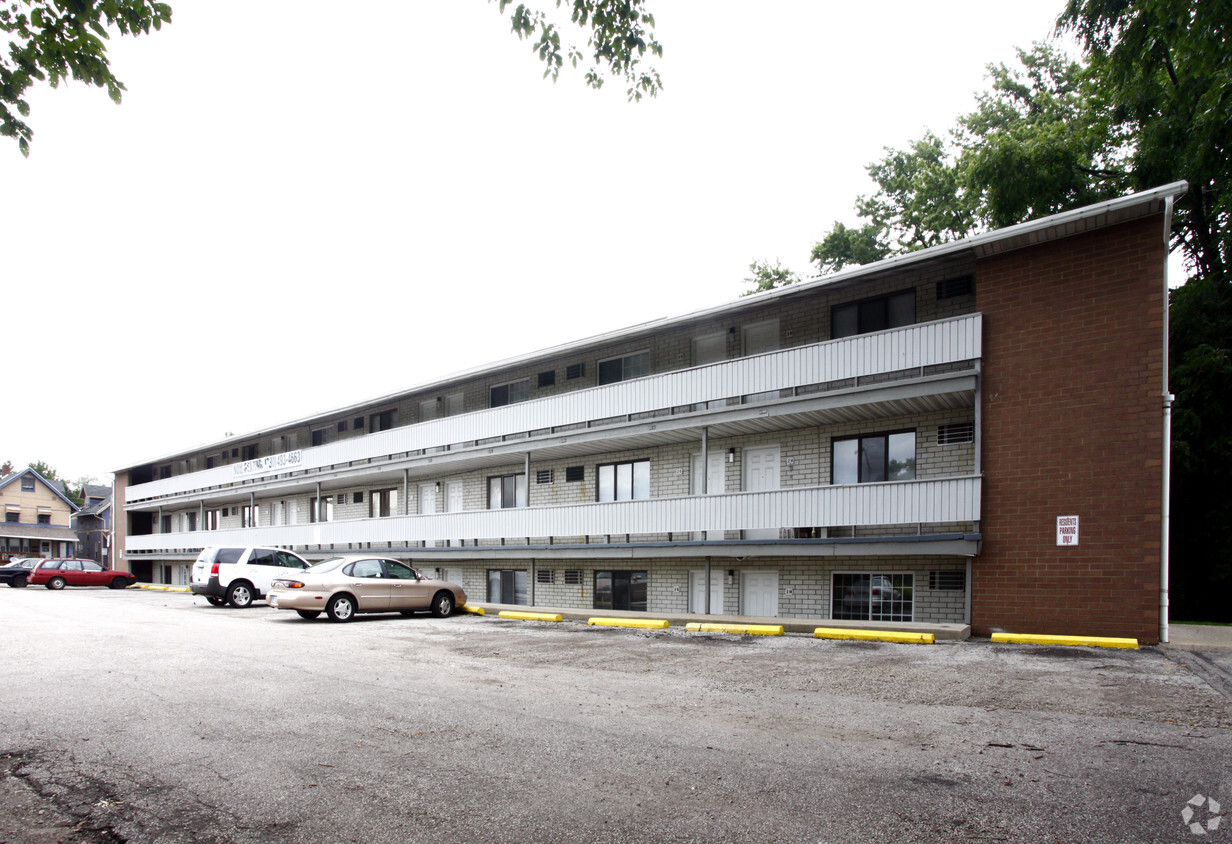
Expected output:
{"points": [[621, 590], [876, 314]]}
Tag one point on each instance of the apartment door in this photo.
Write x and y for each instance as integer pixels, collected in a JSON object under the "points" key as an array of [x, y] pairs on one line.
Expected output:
{"points": [[427, 499], [709, 348], [453, 502], [716, 480], [697, 591], [761, 337], [761, 474], [759, 593]]}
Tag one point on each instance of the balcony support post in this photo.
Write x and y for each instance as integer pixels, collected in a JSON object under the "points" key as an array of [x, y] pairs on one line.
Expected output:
{"points": [[707, 586], [705, 491]]}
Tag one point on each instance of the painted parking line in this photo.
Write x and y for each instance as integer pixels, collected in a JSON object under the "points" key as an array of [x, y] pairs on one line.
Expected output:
{"points": [[531, 616], [1081, 641], [155, 587], [873, 635], [644, 624], [738, 629]]}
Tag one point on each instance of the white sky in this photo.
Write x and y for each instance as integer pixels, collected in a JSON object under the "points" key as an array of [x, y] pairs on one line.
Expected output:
{"points": [[301, 205]]}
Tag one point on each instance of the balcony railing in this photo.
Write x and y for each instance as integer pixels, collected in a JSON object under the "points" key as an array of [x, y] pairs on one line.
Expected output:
{"points": [[942, 500], [914, 347]]}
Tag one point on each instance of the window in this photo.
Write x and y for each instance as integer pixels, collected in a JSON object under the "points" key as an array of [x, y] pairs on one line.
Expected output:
{"points": [[575, 370], [547, 379], [323, 511], [382, 421], [44, 518], [636, 365], [573, 474], [621, 590], [211, 519], [190, 521], [358, 423], [209, 462], [164, 472], [506, 491], [382, 502], [511, 393], [508, 586], [545, 576], [12, 518], [342, 426], [320, 436], [573, 577], [27, 483], [164, 525], [624, 481], [250, 516], [878, 457], [872, 597], [875, 314], [248, 452], [544, 476], [357, 497]]}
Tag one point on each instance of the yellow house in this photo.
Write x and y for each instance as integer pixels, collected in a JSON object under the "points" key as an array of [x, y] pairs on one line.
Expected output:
{"points": [[37, 518]]}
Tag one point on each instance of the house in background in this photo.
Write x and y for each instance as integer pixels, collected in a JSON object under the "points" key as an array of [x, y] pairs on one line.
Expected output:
{"points": [[974, 433], [92, 524], [37, 517]]}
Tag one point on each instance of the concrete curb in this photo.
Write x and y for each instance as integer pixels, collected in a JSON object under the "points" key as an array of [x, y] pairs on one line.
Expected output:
{"points": [[874, 636], [644, 624], [738, 629], [1081, 641], [474, 610], [530, 616]]}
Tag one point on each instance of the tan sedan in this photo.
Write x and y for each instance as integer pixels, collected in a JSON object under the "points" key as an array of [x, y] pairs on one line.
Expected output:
{"points": [[355, 583]]}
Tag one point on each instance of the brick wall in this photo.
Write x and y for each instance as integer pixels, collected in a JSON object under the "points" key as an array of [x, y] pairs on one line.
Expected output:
{"points": [[1072, 425]]}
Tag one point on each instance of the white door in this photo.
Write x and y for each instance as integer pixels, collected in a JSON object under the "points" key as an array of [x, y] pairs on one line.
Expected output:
{"points": [[716, 479], [761, 474], [759, 593], [453, 504], [427, 499], [761, 337], [697, 591], [709, 348]]}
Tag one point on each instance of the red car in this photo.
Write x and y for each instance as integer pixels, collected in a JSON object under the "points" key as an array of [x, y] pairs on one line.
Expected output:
{"points": [[70, 571]]}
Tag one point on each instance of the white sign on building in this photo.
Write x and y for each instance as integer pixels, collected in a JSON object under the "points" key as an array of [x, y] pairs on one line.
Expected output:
{"points": [[1067, 530]]}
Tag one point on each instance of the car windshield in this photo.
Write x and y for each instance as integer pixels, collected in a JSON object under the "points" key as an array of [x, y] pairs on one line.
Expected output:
{"points": [[326, 565]]}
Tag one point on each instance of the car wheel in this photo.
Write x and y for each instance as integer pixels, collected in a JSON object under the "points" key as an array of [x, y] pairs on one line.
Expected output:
{"points": [[119, 583], [18, 583], [442, 604], [216, 601], [341, 608], [55, 583], [240, 595], [308, 613]]}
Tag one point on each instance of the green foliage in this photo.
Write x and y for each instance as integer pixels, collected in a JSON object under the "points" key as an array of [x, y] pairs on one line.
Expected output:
{"points": [[618, 38], [51, 40], [765, 277], [43, 469]]}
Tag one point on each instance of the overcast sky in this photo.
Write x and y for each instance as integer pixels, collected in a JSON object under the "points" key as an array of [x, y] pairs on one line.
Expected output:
{"points": [[300, 205]]}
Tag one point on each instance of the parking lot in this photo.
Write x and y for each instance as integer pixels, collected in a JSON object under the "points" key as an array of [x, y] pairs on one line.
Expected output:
{"points": [[152, 717]]}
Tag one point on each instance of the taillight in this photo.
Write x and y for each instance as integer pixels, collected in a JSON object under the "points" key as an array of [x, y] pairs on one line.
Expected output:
{"points": [[289, 584], [214, 570]]}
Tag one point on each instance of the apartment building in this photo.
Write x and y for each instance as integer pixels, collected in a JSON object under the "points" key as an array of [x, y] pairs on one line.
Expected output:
{"points": [[972, 433]]}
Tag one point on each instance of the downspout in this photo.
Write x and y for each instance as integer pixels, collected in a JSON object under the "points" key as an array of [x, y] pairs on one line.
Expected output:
{"points": [[1165, 527]]}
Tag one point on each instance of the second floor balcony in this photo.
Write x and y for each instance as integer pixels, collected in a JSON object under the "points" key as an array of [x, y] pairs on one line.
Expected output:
{"points": [[895, 505]]}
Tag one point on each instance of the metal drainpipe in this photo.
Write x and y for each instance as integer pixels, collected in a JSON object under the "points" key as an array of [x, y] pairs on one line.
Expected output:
{"points": [[1166, 515]]}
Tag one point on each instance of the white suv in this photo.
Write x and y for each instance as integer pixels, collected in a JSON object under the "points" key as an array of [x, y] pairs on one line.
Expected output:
{"points": [[238, 576]]}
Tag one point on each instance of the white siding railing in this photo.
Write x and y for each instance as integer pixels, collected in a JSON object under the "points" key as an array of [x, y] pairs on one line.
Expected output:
{"points": [[892, 503], [915, 346]]}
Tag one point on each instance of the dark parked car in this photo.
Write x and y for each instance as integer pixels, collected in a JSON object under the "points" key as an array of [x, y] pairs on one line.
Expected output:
{"points": [[16, 572], [71, 571]]}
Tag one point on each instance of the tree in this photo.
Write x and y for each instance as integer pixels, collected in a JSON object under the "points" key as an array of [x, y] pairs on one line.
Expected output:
{"points": [[1150, 102], [766, 277], [618, 38], [51, 40], [44, 470]]}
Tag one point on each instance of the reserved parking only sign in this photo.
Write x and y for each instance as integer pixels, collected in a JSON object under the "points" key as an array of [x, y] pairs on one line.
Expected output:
{"points": [[1067, 530]]}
